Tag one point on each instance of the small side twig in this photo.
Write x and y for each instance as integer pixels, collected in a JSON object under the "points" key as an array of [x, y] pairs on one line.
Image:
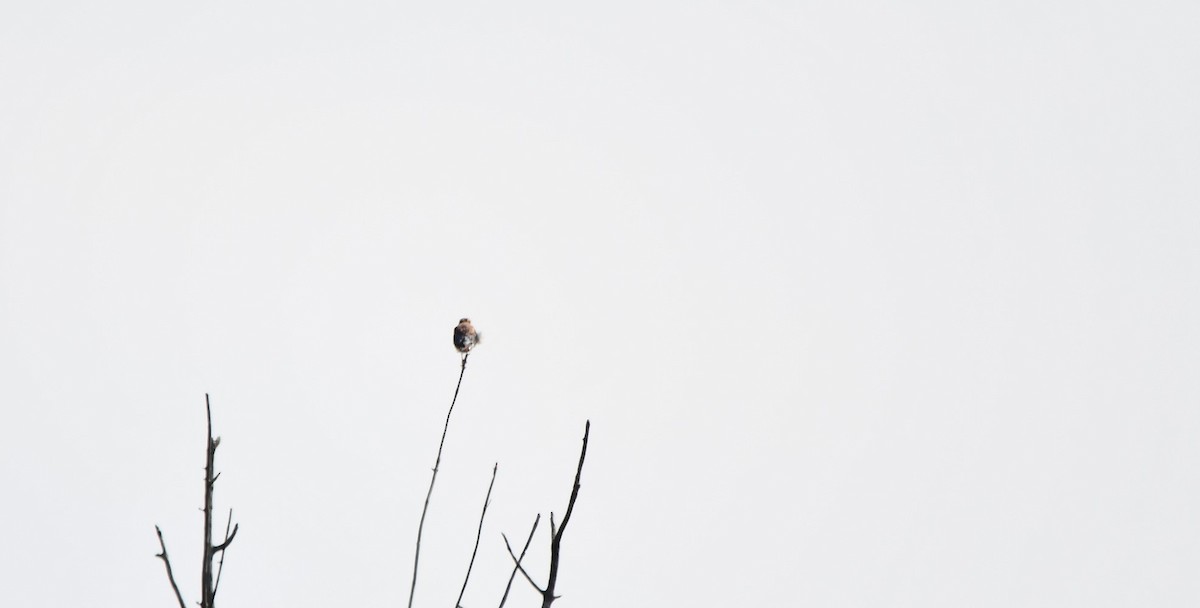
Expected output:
{"points": [[436, 463], [478, 533], [167, 561], [221, 547], [517, 565], [228, 539]]}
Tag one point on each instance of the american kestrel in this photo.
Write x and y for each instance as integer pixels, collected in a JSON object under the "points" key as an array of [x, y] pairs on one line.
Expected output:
{"points": [[465, 336]]}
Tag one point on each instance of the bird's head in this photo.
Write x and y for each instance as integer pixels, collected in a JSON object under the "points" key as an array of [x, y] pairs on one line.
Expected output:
{"points": [[464, 320]]}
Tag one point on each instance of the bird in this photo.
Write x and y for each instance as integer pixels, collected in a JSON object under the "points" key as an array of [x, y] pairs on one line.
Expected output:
{"points": [[465, 336]]}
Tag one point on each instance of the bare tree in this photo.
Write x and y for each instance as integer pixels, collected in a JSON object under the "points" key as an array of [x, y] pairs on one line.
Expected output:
{"points": [[208, 583]]}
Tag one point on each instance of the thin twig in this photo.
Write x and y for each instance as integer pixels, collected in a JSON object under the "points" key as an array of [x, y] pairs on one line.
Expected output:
{"points": [[518, 564], [228, 539], [517, 561], [478, 533], [221, 547], [436, 463], [167, 561], [548, 596]]}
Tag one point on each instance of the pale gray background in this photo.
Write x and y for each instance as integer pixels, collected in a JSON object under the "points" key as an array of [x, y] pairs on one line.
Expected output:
{"points": [[870, 304]]}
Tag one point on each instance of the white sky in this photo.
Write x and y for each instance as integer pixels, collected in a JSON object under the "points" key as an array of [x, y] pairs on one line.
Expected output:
{"points": [[869, 304]]}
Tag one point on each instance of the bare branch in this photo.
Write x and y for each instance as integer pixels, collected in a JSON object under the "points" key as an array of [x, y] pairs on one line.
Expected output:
{"points": [[478, 533], [436, 463], [518, 564], [206, 577], [517, 561], [167, 561], [208, 587], [548, 596]]}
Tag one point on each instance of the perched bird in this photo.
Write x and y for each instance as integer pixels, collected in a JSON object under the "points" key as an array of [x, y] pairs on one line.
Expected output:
{"points": [[465, 336]]}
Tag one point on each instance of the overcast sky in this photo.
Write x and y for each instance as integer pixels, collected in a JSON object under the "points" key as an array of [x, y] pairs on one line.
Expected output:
{"points": [[869, 304]]}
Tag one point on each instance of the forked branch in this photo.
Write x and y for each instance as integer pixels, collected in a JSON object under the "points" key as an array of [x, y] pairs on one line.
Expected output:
{"points": [[208, 586], [556, 533]]}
